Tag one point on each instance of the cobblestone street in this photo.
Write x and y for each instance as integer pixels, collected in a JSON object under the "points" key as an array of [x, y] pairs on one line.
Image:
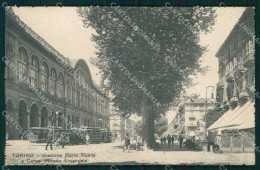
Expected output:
{"points": [[23, 152]]}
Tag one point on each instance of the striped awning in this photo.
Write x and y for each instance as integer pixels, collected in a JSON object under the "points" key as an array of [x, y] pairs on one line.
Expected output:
{"points": [[242, 117]]}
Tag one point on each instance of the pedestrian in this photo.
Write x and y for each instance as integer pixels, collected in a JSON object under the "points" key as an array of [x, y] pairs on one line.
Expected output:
{"points": [[62, 139], [138, 142], [211, 139], [218, 143], [49, 140], [127, 143], [181, 140], [172, 140], [164, 140], [161, 140], [57, 135], [87, 139], [169, 140]]}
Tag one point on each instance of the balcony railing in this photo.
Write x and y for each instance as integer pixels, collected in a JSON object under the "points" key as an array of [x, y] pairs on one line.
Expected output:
{"points": [[230, 77], [248, 60]]}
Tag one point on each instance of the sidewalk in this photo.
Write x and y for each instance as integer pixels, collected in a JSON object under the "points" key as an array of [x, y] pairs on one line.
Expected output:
{"points": [[112, 154]]}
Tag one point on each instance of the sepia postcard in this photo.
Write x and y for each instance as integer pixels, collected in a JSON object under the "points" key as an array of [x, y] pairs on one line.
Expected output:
{"points": [[113, 85]]}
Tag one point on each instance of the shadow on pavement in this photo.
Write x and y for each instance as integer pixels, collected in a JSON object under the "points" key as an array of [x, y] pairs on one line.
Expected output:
{"points": [[175, 147]]}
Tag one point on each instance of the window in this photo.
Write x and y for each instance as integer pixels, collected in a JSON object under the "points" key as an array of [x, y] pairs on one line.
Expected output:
{"points": [[53, 81], [9, 55], [192, 118], [60, 86], [34, 71], [44, 77], [22, 64]]}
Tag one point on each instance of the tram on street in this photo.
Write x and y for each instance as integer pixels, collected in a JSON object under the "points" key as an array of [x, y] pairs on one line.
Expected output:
{"points": [[72, 136], [106, 135]]}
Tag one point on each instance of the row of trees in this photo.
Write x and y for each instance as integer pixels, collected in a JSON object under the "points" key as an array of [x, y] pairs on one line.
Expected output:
{"points": [[117, 38]]}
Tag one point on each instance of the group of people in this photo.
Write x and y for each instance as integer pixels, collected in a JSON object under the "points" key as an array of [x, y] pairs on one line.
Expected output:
{"points": [[59, 138], [139, 142], [170, 139]]}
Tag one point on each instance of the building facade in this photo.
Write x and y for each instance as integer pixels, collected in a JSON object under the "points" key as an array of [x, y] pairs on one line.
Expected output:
{"points": [[236, 62], [120, 126], [235, 89], [117, 125], [194, 116], [40, 91]]}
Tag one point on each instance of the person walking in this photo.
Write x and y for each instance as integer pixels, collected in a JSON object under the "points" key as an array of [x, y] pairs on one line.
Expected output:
{"points": [[138, 142], [87, 139], [172, 140], [164, 140], [49, 140], [161, 140], [218, 143], [127, 143], [211, 139], [181, 140], [169, 140], [62, 139]]}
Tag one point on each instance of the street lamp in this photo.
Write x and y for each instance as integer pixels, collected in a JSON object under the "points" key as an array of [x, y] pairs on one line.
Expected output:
{"points": [[207, 105]]}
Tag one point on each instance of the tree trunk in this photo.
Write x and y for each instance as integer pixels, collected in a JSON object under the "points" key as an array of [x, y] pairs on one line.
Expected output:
{"points": [[152, 141], [148, 123], [144, 117]]}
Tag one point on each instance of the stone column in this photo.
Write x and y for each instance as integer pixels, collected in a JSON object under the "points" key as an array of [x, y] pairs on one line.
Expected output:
{"points": [[39, 120]]}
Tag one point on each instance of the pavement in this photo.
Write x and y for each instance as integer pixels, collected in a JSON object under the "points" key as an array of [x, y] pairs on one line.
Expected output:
{"points": [[20, 152]]}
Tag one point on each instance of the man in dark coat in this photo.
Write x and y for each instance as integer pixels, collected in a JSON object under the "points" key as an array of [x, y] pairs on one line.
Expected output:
{"points": [[172, 140], [169, 140], [62, 139], [164, 140], [161, 140], [49, 140], [181, 140]]}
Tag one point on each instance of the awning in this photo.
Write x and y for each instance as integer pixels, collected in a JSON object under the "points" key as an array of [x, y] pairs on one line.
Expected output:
{"points": [[242, 117], [245, 120], [223, 119]]}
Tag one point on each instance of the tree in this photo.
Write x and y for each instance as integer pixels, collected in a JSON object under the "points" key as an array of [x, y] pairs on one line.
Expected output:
{"points": [[160, 125], [139, 50], [212, 116]]}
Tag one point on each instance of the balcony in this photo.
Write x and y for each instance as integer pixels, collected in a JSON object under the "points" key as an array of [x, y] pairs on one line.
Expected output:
{"points": [[243, 97], [234, 102], [226, 105], [220, 85], [230, 77], [220, 108], [249, 60]]}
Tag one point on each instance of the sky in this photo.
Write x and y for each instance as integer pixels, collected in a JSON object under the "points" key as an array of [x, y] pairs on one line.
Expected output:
{"points": [[63, 29]]}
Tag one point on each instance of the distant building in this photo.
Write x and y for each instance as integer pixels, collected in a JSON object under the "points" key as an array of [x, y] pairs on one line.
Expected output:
{"points": [[120, 126], [235, 89], [194, 116]]}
